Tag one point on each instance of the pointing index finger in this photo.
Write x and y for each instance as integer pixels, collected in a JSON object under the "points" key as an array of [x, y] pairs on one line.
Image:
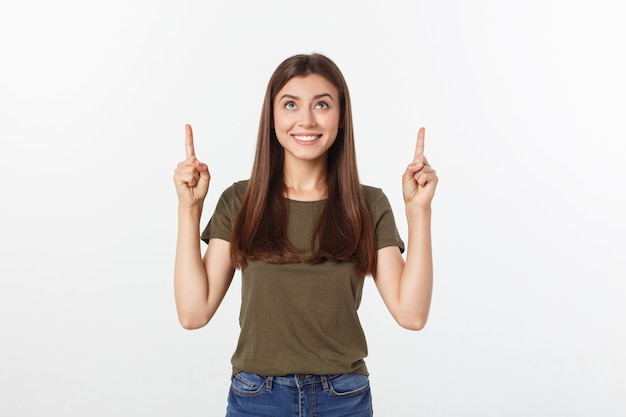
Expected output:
{"points": [[419, 146], [189, 142]]}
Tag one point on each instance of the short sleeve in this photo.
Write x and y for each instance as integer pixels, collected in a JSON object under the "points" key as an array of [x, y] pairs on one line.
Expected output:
{"points": [[221, 223], [383, 219]]}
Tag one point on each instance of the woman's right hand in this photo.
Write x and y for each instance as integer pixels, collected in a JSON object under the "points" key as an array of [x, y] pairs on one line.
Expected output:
{"points": [[191, 177]]}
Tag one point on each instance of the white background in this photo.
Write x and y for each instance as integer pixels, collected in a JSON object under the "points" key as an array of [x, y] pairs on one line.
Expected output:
{"points": [[524, 106]]}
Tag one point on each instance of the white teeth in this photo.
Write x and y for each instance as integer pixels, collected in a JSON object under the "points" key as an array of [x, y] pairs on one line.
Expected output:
{"points": [[306, 138]]}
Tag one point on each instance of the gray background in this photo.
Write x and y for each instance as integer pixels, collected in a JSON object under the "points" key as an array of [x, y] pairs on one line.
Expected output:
{"points": [[523, 104]]}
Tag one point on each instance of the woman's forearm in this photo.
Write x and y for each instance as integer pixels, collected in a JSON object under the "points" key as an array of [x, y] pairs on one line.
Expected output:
{"points": [[416, 283], [191, 284]]}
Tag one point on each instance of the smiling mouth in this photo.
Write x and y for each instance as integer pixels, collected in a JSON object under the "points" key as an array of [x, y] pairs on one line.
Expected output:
{"points": [[306, 138]]}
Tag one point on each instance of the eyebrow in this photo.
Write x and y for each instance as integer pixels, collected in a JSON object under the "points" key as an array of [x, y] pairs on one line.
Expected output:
{"points": [[292, 97]]}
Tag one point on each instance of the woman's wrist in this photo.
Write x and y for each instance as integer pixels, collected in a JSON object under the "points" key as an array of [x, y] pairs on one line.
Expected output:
{"points": [[192, 211], [418, 212]]}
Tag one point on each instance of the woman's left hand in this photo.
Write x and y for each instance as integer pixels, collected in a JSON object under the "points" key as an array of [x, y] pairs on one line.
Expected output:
{"points": [[420, 179]]}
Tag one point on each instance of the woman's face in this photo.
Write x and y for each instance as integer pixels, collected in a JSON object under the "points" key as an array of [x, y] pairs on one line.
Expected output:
{"points": [[306, 117]]}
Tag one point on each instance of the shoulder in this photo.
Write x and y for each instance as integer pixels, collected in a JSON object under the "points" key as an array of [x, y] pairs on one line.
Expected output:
{"points": [[376, 200], [371, 192], [235, 191], [382, 218], [239, 187], [231, 198], [373, 195]]}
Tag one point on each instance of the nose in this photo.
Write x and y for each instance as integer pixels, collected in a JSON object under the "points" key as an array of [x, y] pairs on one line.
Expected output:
{"points": [[307, 119]]}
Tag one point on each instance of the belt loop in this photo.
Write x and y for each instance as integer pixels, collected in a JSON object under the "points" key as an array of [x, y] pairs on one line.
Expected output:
{"points": [[268, 383], [325, 384]]}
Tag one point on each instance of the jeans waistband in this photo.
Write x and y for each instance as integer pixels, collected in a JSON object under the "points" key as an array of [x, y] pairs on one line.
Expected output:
{"points": [[301, 379]]}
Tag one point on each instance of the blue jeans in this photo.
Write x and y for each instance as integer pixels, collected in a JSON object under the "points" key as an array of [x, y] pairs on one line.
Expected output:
{"points": [[345, 395]]}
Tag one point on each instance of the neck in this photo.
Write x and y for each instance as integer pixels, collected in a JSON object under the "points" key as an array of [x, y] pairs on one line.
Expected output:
{"points": [[306, 180]]}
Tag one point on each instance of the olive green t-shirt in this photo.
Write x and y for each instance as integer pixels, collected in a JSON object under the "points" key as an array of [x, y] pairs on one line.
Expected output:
{"points": [[301, 318]]}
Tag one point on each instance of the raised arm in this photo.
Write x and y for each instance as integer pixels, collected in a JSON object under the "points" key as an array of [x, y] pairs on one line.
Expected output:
{"points": [[199, 283], [406, 287]]}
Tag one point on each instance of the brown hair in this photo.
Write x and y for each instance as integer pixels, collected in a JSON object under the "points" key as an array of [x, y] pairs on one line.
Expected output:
{"points": [[344, 231]]}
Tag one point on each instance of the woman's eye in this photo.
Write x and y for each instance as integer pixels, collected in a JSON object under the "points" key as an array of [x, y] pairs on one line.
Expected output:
{"points": [[290, 106], [321, 105]]}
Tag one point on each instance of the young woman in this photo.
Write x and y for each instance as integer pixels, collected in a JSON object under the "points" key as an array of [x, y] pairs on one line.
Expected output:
{"points": [[305, 233]]}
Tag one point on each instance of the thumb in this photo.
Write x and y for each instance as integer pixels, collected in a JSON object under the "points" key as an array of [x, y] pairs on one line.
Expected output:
{"points": [[411, 169], [203, 169]]}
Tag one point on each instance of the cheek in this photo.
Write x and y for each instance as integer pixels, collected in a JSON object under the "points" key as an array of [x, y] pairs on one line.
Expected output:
{"points": [[331, 122], [281, 122]]}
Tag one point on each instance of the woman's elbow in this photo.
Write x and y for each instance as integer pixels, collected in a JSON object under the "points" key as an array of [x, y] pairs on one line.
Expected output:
{"points": [[191, 322], [415, 323]]}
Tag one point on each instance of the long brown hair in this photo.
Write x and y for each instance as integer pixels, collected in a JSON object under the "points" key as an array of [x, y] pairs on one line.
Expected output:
{"points": [[344, 231]]}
